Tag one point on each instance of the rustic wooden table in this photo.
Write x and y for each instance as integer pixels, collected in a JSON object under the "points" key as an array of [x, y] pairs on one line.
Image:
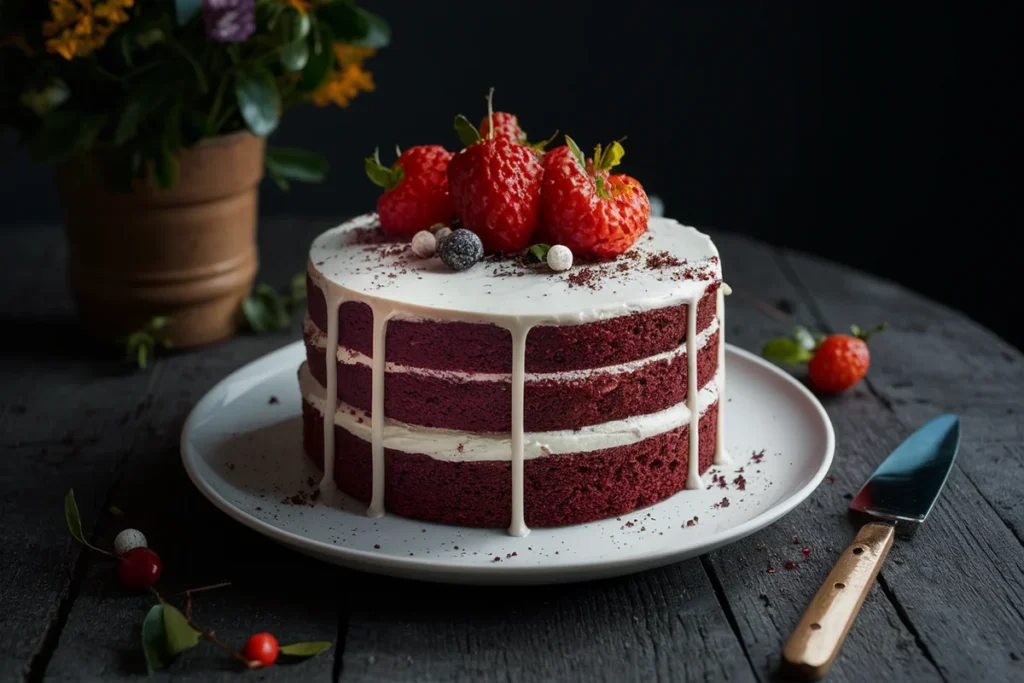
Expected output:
{"points": [[948, 605]]}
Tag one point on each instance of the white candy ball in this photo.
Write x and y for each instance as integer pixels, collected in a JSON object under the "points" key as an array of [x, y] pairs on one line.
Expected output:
{"points": [[128, 539], [441, 234], [559, 258], [423, 244]]}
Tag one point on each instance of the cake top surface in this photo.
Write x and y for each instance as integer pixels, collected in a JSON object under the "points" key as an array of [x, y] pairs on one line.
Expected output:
{"points": [[670, 264]]}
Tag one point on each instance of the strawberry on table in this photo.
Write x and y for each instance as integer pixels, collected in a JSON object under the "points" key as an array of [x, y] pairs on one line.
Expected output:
{"points": [[416, 192], [495, 185], [583, 206], [835, 362]]}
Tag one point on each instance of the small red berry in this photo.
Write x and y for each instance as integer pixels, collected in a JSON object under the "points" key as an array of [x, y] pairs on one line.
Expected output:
{"points": [[262, 648], [839, 362], [139, 568]]}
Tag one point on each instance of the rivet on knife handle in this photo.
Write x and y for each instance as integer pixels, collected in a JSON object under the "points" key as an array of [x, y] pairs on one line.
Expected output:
{"points": [[813, 646]]}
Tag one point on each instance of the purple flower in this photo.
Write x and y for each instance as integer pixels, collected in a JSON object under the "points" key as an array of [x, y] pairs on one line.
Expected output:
{"points": [[229, 21]]}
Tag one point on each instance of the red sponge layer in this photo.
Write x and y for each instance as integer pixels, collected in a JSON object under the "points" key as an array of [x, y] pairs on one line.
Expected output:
{"points": [[486, 406], [558, 490], [481, 347]]}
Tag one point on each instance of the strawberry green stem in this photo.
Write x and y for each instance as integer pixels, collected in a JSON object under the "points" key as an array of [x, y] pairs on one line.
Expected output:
{"points": [[867, 334], [490, 114]]}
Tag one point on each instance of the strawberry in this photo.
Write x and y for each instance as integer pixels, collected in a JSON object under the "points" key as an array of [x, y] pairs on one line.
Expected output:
{"points": [[495, 185], [584, 207], [505, 126], [834, 363], [415, 190]]}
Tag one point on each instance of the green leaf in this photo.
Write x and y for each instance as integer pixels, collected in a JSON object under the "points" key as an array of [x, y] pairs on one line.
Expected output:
{"points": [[298, 288], [785, 350], [611, 157], [299, 26], [166, 168], [296, 164], [72, 517], [295, 56], [131, 116], [64, 132], [576, 152], [540, 251], [602, 191], [159, 322], [377, 32], [467, 132], [282, 183], [304, 649], [116, 511], [184, 10], [265, 310], [142, 356], [180, 635], [867, 334], [354, 24], [320, 62], [259, 102], [154, 639], [381, 175]]}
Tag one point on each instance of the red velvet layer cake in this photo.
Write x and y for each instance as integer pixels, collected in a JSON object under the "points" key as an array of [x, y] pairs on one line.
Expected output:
{"points": [[510, 395]]}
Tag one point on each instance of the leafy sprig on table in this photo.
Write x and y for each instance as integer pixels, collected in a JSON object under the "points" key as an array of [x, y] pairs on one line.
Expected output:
{"points": [[267, 310], [140, 347], [168, 631]]}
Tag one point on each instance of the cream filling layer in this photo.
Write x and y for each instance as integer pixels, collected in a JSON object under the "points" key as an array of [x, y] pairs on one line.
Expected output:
{"points": [[348, 356], [458, 446]]}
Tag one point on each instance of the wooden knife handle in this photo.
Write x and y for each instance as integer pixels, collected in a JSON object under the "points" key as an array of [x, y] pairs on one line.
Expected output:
{"points": [[813, 646]]}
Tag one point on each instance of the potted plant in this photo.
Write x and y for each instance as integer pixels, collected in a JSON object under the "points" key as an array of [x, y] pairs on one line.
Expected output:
{"points": [[155, 114]]}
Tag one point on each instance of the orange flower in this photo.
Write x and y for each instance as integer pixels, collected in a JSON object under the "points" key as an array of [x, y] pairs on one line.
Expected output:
{"points": [[80, 26], [302, 6], [349, 79]]}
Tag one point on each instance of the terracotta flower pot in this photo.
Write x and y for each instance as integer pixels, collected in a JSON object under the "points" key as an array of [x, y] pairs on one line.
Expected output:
{"points": [[188, 253]]}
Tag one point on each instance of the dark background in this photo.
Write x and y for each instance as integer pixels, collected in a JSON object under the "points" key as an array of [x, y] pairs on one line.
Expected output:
{"points": [[875, 134]]}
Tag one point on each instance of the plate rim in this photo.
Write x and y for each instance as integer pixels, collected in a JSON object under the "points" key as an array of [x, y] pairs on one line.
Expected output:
{"points": [[435, 569]]}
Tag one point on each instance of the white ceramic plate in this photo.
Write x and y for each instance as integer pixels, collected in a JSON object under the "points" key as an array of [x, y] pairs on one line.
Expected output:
{"points": [[243, 450]]}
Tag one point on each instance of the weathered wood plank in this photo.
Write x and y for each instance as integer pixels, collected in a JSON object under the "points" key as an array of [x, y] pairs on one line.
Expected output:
{"points": [[767, 605], [960, 580], [932, 359], [662, 625], [133, 420], [54, 437]]}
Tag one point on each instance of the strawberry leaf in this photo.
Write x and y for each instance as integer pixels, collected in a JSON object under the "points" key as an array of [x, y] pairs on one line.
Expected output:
{"points": [[72, 517], [610, 157], [154, 639], [116, 511], [576, 152], [380, 174], [467, 132], [867, 334], [180, 636], [304, 649], [785, 350], [602, 191], [540, 251]]}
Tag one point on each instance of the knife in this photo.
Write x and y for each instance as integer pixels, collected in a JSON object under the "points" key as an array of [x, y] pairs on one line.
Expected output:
{"points": [[899, 494]]}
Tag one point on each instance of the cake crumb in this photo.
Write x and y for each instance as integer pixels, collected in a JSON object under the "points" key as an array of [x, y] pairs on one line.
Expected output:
{"points": [[274, 400]]}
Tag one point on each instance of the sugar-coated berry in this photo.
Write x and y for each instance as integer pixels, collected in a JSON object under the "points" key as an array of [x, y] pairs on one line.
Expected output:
{"points": [[128, 540], [262, 648], [441, 234], [424, 243], [461, 250], [559, 258], [139, 568]]}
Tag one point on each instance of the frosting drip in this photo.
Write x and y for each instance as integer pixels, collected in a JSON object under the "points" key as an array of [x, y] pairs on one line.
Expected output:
{"points": [[340, 264]]}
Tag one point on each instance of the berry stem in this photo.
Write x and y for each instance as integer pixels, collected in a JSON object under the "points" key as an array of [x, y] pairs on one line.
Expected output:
{"points": [[210, 635], [490, 114]]}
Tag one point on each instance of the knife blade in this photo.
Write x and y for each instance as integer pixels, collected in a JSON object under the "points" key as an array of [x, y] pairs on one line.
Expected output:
{"points": [[899, 494]]}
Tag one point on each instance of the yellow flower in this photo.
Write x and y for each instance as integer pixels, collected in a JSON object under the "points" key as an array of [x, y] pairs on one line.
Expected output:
{"points": [[348, 80], [80, 26]]}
